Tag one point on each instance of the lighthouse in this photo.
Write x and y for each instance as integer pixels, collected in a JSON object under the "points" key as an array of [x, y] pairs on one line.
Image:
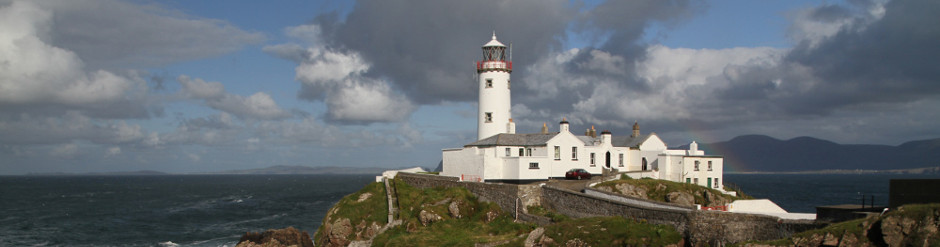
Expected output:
{"points": [[494, 85]]}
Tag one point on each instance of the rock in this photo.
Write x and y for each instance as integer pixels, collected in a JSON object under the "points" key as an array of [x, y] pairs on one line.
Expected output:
{"points": [[546, 241], [338, 232], [712, 199], [895, 229], [660, 187], [411, 227], [633, 191], [535, 234], [680, 198], [577, 242], [427, 218], [454, 209], [364, 196], [490, 216], [830, 240], [281, 237]]}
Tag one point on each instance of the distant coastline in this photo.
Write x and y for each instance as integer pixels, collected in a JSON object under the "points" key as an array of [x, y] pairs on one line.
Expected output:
{"points": [[922, 170], [273, 170]]}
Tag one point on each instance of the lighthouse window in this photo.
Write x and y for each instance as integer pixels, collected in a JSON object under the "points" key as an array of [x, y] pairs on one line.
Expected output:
{"points": [[489, 83], [489, 117], [508, 84]]}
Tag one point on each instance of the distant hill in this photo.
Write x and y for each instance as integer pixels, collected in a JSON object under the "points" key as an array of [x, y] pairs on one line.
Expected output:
{"points": [[767, 154]]}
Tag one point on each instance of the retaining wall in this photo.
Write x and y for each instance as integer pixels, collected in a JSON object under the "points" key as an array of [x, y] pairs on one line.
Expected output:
{"points": [[700, 227], [505, 195]]}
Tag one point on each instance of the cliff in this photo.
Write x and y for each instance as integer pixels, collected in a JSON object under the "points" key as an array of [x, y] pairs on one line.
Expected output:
{"points": [[454, 216], [909, 225]]}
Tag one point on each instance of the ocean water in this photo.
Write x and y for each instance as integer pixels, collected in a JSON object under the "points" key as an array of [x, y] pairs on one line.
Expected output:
{"points": [[801, 193], [214, 210], [187, 210]]}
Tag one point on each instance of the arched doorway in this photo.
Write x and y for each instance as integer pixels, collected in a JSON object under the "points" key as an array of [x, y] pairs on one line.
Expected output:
{"points": [[644, 168], [608, 160]]}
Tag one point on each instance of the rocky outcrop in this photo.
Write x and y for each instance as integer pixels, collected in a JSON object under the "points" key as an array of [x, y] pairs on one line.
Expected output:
{"points": [[281, 237], [427, 218], [680, 198], [713, 200], [900, 228], [627, 190]]}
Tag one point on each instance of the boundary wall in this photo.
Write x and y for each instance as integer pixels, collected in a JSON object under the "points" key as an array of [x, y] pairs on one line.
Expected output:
{"points": [[699, 227]]}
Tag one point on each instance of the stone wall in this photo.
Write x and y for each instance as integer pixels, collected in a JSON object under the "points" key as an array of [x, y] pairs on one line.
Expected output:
{"points": [[581, 205], [507, 196], [636, 201], [718, 228], [700, 227]]}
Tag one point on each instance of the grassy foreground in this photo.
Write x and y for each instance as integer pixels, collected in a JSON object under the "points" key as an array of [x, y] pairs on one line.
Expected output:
{"points": [[484, 223]]}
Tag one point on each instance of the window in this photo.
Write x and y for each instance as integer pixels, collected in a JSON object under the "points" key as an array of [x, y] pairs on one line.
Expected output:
{"points": [[696, 165], [717, 183], [508, 84], [574, 153], [534, 165], [695, 181], [592, 159], [508, 152], [621, 161], [489, 83], [528, 152], [557, 152], [521, 152], [488, 117], [709, 165]]}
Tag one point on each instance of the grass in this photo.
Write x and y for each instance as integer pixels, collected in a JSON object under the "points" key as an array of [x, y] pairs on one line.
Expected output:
{"points": [[372, 209], [612, 231], [540, 211], [467, 230], [653, 193]]}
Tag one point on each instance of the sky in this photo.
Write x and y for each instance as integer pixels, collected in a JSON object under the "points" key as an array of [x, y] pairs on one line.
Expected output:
{"points": [[199, 86]]}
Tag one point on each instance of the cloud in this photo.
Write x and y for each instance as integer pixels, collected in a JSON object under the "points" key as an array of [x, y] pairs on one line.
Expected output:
{"points": [[118, 34], [259, 105], [338, 79], [35, 74]]}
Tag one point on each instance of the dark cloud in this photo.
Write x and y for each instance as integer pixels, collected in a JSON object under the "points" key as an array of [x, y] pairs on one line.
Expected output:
{"points": [[427, 48], [870, 60]]}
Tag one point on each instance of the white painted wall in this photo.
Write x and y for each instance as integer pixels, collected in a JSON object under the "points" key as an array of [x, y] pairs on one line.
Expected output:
{"points": [[496, 100]]}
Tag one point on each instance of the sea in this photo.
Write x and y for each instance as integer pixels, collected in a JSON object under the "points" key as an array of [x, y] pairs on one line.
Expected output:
{"points": [[215, 210]]}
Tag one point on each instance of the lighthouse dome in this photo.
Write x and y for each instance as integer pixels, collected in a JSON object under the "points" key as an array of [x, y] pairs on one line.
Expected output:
{"points": [[494, 42]]}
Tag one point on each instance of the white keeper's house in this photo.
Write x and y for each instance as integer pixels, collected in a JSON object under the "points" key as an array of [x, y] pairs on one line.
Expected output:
{"points": [[502, 155]]}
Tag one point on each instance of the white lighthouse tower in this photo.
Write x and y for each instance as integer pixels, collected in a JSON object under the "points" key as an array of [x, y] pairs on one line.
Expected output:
{"points": [[494, 113]]}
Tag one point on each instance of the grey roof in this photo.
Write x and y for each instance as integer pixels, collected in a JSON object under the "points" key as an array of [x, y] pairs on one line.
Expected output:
{"points": [[537, 139], [617, 141], [628, 141]]}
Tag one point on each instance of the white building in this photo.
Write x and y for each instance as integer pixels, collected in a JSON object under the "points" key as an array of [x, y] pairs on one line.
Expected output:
{"points": [[501, 155]]}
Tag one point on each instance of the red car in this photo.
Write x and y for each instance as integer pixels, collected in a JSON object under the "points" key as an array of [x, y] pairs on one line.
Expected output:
{"points": [[577, 173]]}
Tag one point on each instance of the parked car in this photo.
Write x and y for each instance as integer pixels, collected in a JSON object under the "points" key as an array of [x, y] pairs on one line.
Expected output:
{"points": [[577, 173]]}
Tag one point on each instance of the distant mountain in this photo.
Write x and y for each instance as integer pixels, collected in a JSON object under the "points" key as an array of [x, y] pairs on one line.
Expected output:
{"points": [[767, 154], [132, 173], [309, 170]]}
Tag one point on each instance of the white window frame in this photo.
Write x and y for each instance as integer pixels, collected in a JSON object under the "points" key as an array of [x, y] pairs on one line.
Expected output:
{"points": [[557, 152], [534, 165], [620, 163], [574, 153], [488, 117], [592, 160]]}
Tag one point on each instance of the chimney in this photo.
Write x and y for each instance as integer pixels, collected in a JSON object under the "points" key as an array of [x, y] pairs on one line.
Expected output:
{"points": [[606, 136], [563, 125], [544, 128], [593, 132], [636, 130], [511, 127]]}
